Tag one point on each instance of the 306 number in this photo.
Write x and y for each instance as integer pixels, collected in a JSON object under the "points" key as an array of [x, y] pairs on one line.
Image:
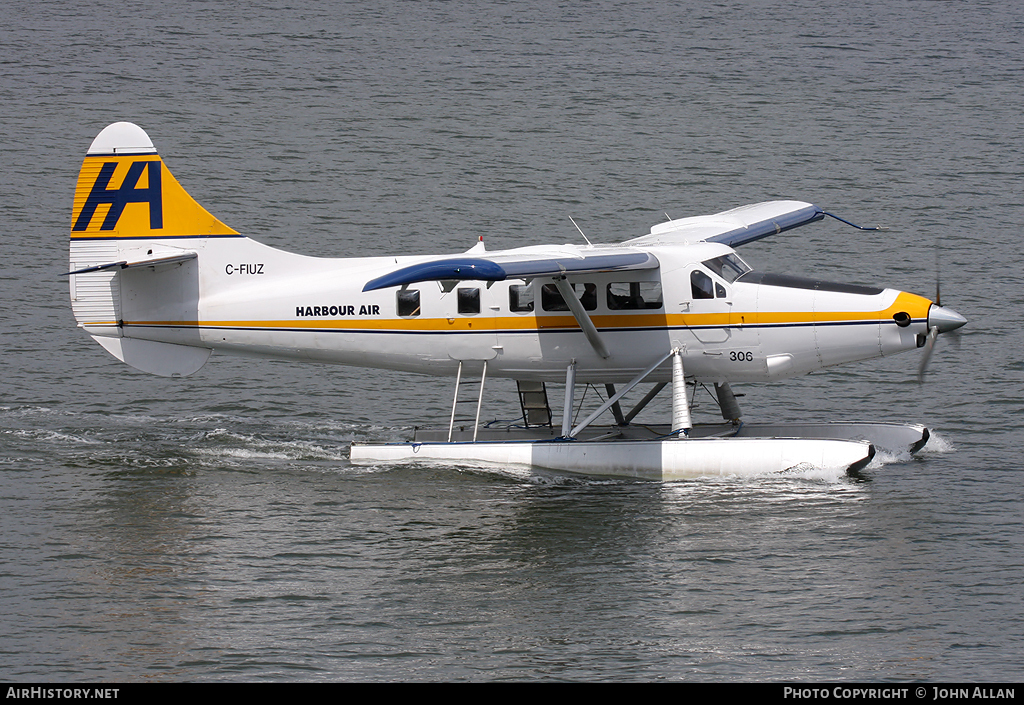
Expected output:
{"points": [[739, 356]]}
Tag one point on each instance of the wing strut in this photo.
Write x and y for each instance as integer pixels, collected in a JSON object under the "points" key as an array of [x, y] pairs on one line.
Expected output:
{"points": [[581, 316]]}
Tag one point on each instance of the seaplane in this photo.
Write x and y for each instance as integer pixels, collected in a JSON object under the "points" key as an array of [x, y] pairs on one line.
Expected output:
{"points": [[160, 283]]}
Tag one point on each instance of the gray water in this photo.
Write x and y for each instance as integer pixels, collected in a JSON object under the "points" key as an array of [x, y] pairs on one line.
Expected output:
{"points": [[212, 528]]}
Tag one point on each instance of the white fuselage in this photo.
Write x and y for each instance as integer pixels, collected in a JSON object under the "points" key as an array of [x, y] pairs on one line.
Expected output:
{"points": [[244, 297]]}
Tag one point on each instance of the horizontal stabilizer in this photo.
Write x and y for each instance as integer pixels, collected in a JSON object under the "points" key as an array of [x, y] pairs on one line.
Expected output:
{"points": [[733, 227], [516, 264], [125, 264]]}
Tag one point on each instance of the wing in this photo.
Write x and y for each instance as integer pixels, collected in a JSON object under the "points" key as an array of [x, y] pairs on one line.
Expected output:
{"points": [[522, 263], [734, 227]]}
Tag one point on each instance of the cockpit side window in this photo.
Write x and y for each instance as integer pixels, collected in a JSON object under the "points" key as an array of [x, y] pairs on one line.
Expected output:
{"points": [[701, 286]]}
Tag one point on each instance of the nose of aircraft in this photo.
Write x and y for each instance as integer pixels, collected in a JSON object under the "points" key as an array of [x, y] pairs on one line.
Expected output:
{"points": [[944, 319]]}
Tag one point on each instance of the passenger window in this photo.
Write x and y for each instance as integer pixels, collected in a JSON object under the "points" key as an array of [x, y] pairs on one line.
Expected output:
{"points": [[520, 298], [626, 296], [551, 299], [469, 301], [589, 297], [408, 302], [701, 286]]}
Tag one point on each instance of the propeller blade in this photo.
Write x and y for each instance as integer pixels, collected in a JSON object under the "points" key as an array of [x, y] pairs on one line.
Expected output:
{"points": [[940, 319], [929, 348]]}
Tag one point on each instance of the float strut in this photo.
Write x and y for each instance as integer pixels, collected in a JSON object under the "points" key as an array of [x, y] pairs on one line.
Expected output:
{"points": [[727, 402], [480, 401], [619, 394], [680, 405], [616, 409], [570, 382], [645, 401], [455, 401]]}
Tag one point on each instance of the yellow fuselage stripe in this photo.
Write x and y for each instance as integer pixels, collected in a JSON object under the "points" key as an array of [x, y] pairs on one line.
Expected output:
{"points": [[915, 306]]}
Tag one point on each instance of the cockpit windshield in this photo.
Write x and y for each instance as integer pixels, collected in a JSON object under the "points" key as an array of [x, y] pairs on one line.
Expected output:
{"points": [[728, 267]]}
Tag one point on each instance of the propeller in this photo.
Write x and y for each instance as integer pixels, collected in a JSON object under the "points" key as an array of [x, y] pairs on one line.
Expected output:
{"points": [[940, 320], [926, 358]]}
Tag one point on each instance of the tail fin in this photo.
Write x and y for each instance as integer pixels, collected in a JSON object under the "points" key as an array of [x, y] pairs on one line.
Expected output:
{"points": [[129, 211], [125, 191]]}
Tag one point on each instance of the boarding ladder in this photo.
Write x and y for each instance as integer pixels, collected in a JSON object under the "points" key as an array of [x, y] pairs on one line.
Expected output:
{"points": [[533, 398]]}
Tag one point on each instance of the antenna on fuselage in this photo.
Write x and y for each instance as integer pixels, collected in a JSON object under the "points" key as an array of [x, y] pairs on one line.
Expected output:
{"points": [[581, 232]]}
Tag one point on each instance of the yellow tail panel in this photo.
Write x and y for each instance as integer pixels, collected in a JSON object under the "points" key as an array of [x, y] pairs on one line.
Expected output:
{"points": [[126, 191]]}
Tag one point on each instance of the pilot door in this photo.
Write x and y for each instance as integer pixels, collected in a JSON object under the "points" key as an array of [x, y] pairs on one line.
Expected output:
{"points": [[709, 315]]}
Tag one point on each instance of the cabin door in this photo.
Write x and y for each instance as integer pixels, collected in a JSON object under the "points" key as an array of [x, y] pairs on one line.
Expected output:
{"points": [[469, 325]]}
